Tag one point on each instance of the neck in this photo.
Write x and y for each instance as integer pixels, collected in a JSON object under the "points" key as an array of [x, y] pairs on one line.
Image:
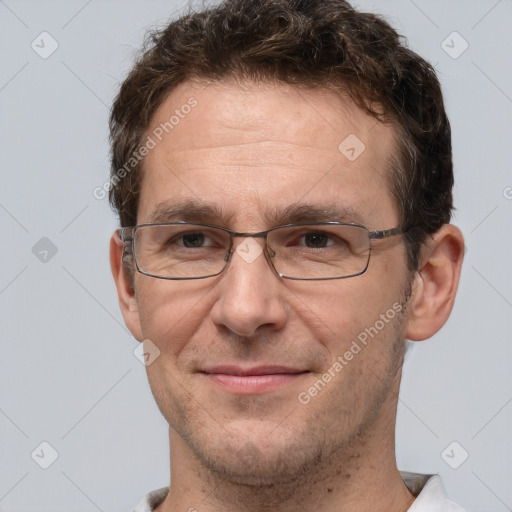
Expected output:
{"points": [[361, 476]]}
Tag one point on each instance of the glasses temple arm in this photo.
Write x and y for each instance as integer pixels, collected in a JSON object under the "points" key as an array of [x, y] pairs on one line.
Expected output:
{"points": [[378, 235], [126, 234]]}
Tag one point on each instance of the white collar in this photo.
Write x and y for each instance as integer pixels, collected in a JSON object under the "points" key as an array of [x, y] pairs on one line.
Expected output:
{"points": [[430, 493], [428, 489]]}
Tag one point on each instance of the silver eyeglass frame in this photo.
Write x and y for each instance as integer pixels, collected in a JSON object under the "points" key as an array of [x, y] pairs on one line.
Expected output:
{"points": [[127, 236]]}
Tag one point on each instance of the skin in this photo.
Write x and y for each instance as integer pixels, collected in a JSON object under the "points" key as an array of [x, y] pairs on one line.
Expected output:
{"points": [[251, 148]]}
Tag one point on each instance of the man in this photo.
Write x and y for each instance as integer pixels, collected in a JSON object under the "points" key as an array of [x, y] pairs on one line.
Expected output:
{"points": [[282, 173]]}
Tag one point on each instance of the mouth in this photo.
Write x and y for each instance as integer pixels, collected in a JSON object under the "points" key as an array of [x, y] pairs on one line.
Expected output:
{"points": [[255, 380]]}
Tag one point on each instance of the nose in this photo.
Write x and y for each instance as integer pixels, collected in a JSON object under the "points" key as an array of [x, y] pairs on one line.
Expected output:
{"points": [[249, 292]]}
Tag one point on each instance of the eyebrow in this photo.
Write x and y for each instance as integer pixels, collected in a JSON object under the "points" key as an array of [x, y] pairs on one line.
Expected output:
{"points": [[192, 211]]}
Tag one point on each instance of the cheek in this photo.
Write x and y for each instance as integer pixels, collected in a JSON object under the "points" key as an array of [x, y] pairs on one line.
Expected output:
{"points": [[361, 323], [170, 311], [340, 310]]}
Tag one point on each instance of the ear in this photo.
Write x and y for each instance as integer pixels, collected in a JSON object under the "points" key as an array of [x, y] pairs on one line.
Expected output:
{"points": [[435, 284], [125, 292]]}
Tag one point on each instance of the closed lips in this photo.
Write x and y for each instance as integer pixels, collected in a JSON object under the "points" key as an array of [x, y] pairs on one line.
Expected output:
{"points": [[252, 381], [255, 371]]}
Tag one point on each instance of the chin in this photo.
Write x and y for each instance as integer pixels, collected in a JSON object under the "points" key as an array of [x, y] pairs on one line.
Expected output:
{"points": [[262, 458]]}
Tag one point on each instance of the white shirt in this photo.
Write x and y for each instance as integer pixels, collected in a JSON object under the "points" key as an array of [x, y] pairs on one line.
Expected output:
{"points": [[428, 489]]}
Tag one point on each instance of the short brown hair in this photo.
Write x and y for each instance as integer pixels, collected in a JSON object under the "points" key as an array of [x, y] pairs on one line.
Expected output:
{"points": [[314, 44]]}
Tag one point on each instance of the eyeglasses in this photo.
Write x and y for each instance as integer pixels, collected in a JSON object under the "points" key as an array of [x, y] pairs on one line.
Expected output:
{"points": [[312, 251]]}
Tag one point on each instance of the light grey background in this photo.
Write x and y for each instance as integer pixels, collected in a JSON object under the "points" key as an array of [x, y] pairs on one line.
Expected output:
{"points": [[67, 369]]}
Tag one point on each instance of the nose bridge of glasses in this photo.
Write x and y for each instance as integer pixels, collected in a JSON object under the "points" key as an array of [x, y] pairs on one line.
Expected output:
{"points": [[247, 248], [238, 234]]}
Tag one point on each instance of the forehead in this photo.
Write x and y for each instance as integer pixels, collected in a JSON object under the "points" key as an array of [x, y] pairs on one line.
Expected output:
{"points": [[249, 148]]}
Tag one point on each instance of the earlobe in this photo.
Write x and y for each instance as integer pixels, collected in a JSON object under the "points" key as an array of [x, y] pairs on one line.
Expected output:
{"points": [[435, 284], [125, 292]]}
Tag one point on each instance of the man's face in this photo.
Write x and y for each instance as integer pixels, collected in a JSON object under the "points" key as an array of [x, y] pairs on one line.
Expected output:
{"points": [[253, 152]]}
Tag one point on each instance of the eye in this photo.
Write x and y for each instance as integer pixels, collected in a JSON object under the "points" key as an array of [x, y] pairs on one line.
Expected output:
{"points": [[192, 239], [330, 241], [204, 239], [312, 240], [317, 240]]}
